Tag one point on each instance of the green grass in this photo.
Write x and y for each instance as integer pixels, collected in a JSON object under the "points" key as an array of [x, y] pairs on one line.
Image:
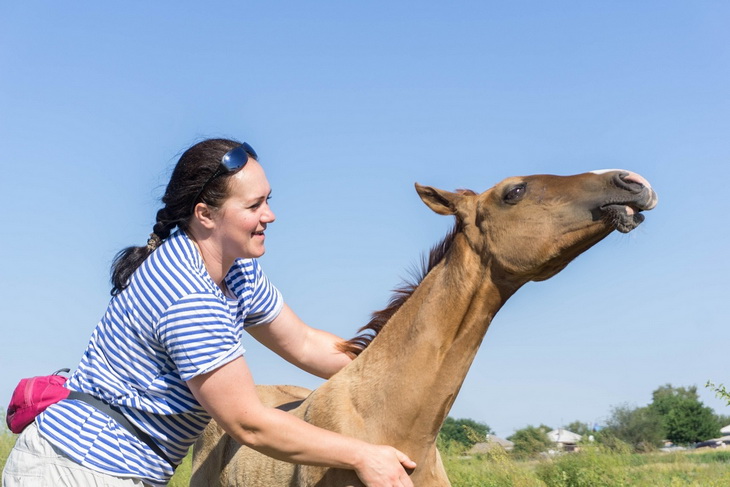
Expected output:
{"points": [[595, 468], [7, 440], [590, 468], [182, 474], [495, 469]]}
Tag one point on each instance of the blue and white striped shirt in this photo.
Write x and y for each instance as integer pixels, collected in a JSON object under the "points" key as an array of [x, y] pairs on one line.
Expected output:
{"points": [[169, 325]]}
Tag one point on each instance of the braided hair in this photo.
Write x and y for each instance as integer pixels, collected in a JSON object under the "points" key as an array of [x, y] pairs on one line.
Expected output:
{"points": [[196, 166]]}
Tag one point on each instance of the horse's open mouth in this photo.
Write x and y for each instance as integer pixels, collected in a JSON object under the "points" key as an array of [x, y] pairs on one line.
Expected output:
{"points": [[623, 216]]}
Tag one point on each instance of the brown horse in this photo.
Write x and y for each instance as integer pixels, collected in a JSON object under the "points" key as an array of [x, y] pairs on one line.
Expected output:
{"points": [[416, 353]]}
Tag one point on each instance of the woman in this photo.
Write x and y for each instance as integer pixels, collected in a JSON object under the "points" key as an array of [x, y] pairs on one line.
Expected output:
{"points": [[168, 353]]}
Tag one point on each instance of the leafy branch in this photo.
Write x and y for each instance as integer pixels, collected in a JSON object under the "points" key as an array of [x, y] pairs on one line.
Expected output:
{"points": [[720, 391]]}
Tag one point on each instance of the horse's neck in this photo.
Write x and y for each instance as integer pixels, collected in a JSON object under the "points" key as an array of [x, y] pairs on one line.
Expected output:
{"points": [[404, 383]]}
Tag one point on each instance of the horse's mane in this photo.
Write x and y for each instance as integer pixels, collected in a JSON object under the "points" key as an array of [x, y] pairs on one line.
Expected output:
{"points": [[354, 346]]}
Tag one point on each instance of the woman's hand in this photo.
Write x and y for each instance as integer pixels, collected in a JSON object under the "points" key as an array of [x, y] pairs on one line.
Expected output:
{"points": [[384, 466]]}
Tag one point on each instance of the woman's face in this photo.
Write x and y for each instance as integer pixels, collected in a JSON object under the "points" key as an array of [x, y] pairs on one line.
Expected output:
{"points": [[243, 217]]}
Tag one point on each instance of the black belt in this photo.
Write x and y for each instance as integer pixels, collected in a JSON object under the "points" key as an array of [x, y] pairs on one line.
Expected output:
{"points": [[114, 413]]}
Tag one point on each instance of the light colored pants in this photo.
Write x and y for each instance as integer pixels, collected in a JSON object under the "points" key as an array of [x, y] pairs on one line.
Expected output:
{"points": [[34, 462]]}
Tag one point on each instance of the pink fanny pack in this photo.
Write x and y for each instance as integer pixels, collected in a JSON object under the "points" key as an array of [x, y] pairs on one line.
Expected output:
{"points": [[32, 396]]}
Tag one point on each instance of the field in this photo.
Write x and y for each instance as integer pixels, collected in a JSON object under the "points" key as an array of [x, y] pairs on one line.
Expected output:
{"points": [[590, 468]]}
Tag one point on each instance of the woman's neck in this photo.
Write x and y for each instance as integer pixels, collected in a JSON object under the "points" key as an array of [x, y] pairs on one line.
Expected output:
{"points": [[213, 261]]}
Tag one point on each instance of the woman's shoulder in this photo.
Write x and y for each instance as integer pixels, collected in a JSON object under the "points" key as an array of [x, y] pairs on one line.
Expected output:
{"points": [[244, 270], [175, 268]]}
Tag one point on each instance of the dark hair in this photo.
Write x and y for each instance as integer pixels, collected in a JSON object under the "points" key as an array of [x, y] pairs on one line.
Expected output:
{"points": [[193, 169]]}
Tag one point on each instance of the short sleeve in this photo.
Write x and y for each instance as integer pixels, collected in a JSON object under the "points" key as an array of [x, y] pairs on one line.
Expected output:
{"points": [[260, 301], [267, 301], [199, 335]]}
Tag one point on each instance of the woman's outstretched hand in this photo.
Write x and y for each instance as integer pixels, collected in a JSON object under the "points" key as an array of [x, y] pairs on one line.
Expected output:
{"points": [[384, 466]]}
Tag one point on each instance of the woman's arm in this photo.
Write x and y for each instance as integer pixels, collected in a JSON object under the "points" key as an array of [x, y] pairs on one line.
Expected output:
{"points": [[310, 349], [229, 395]]}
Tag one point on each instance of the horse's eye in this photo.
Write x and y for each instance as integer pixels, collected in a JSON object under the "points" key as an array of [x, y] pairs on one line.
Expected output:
{"points": [[515, 194]]}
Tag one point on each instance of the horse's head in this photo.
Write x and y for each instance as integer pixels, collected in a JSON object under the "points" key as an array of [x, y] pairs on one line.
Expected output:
{"points": [[533, 226]]}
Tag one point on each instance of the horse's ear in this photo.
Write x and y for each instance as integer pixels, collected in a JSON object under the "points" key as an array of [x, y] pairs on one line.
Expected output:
{"points": [[440, 201]]}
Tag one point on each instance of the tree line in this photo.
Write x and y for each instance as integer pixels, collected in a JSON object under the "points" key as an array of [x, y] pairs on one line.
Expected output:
{"points": [[674, 415]]}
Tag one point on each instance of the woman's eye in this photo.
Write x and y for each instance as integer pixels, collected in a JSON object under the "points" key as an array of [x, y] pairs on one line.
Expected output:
{"points": [[515, 194], [259, 203]]}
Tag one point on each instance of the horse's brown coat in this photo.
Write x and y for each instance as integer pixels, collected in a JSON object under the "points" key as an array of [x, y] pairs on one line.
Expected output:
{"points": [[401, 387]]}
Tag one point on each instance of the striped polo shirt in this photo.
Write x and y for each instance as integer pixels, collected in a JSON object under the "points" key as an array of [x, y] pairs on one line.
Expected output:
{"points": [[170, 324]]}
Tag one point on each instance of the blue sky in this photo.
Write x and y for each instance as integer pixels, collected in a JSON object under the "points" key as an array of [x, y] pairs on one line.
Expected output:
{"points": [[348, 104]]}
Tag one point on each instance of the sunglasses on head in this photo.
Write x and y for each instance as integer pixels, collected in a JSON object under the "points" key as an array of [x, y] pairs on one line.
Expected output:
{"points": [[233, 160]]}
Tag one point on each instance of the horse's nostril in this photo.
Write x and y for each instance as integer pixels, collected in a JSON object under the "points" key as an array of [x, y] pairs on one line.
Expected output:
{"points": [[634, 178], [630, 182]]}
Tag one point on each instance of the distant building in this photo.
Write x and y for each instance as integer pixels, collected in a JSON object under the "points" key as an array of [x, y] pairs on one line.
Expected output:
{"points": [[565, 440], [722, 442]]}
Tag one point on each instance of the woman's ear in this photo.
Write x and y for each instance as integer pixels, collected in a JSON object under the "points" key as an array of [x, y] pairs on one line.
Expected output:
{"points": [[204, 215]]}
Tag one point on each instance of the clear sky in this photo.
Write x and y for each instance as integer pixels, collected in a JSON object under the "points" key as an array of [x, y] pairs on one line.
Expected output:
{"points": [[348, 104]]}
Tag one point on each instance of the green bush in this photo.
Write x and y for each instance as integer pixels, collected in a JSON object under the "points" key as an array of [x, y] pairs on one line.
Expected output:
{"points": [[591, 467], [465, 431], [612, 444], [493, 469], [713, 456], [531, 441]]}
